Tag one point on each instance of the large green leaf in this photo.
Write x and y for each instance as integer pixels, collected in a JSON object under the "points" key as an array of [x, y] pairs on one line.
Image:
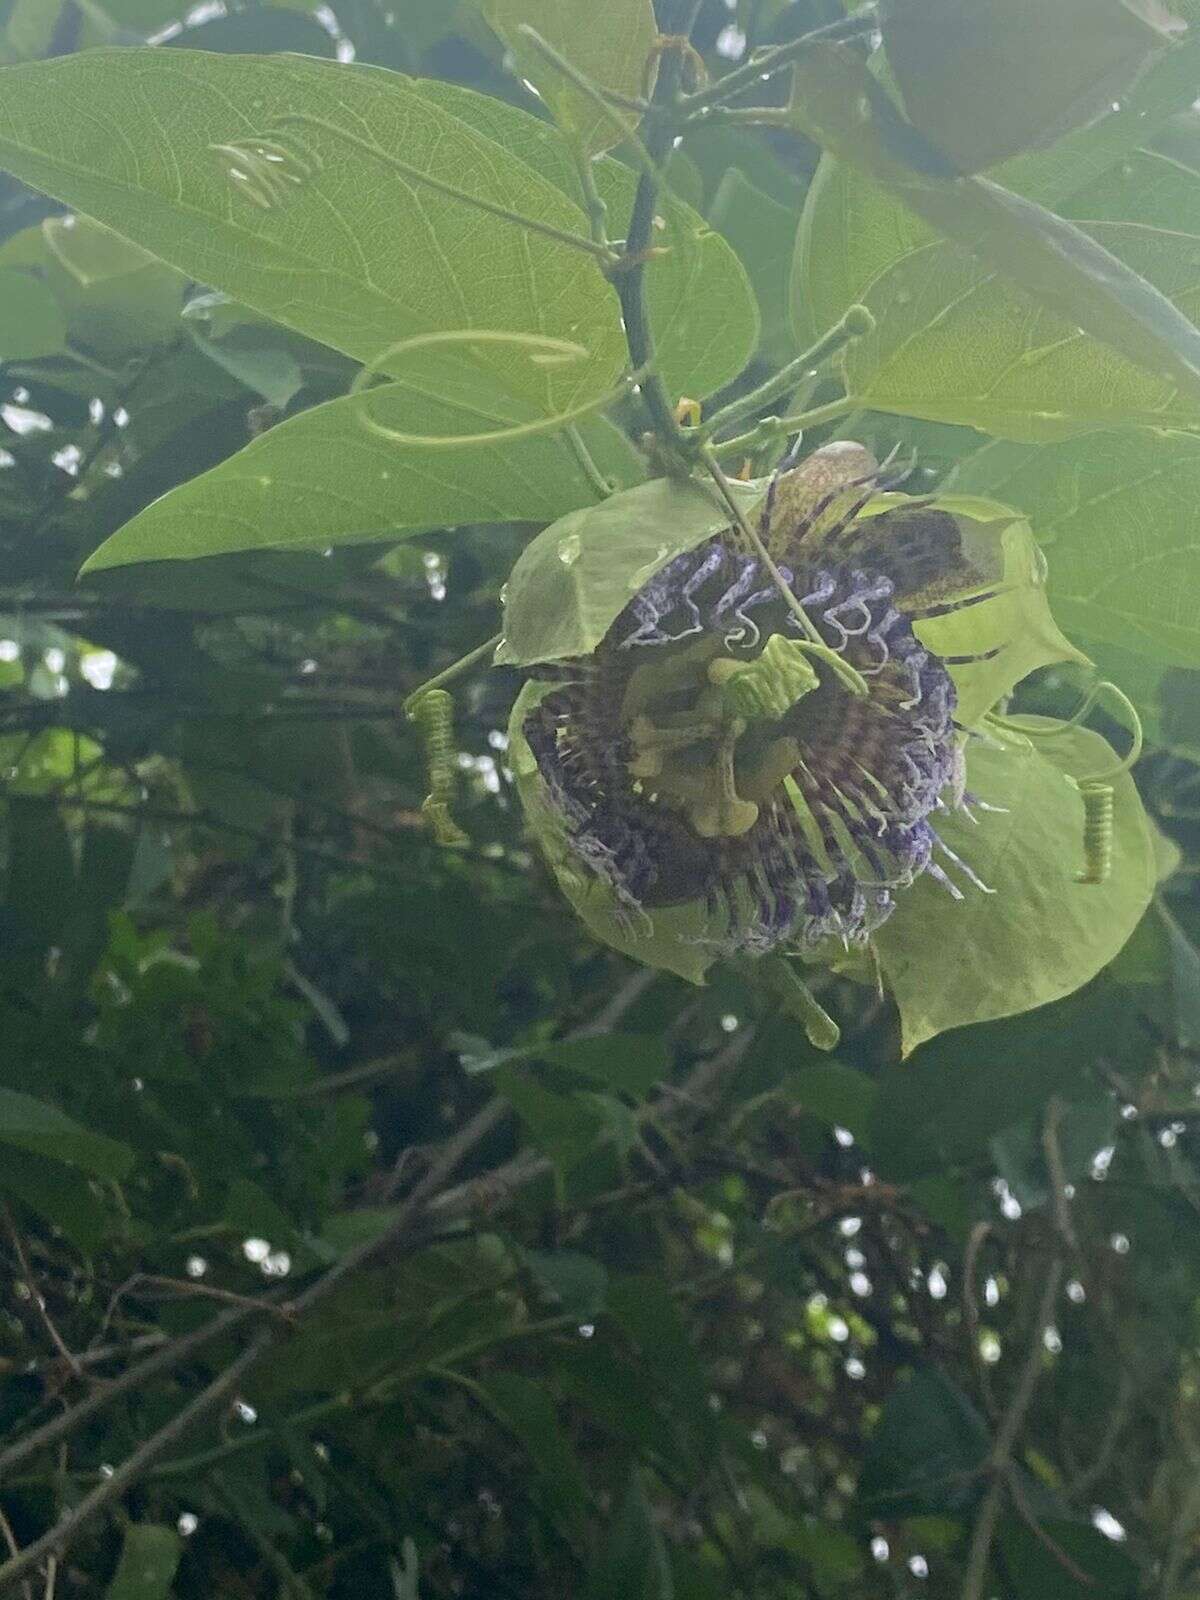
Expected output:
{"points": [[322, 479], [44, 1130], [1013, 341], [945, 1105], [984, 79], [699, 299], [955, 342], [1039, 935], [354, 253], [616, 56], [1117, 517], [853, 230]]}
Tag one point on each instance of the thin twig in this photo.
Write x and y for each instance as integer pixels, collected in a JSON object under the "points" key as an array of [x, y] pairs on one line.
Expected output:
{"points": [[1000, 1458], [39, 1304], [58, 1538], [14, 1549], [978, 1236], [169, 1356], [773, 61]]}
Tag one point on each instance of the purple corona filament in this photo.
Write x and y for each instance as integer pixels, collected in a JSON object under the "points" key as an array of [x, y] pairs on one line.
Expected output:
{"points": [[836, 837]]}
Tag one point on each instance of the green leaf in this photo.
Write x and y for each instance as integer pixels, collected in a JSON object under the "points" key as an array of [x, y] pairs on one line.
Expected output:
{"points": [[118, 298], [32, 322], [700, 301], [1085, 1127], [44, 1130], [763, 233], [1030, 1561], [837, 1095], [633, 1563], [273, 374], [1039, 935], [60, 1195], [629, 1063], [355, 253], [926, 1452], [862, 230], [1010, 354], [321, 479], [149, 1558], [945, 1105], [563, 1126], [574, 579], [1117, 519], [984, 79], [527, 1411], [617, 56], [576, 1284]]}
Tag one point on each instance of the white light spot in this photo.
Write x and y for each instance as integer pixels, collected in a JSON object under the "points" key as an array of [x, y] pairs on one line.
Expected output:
{"points": [[731, 43], [729, 1023], [121, 417], [245, 1412], [844, 1137], [1107, 1524], [880, 1549], [918, 1566], [277, 1265], [187, 1524], [98, 667], [196, 1266], [839, 1329], [855, 1369], [22, 421], [938, 1285], [1120, 1243], [1052, 1339], [55, 659], [991, 1292], [989, 1348], [849, 1226], [256, 1250], [587, 1330], [1076, 1293], [10, 650]]}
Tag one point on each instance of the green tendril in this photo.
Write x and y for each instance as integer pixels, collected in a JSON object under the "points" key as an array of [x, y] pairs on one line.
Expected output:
{"points": [[1097, 789], [545, 350], [433, 712]]}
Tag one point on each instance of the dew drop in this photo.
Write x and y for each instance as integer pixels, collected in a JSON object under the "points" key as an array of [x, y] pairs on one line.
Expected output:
{"points": [[569, 548]]}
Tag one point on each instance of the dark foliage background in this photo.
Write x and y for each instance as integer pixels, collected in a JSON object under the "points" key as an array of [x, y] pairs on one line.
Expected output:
{"points": [[670, 1305]]}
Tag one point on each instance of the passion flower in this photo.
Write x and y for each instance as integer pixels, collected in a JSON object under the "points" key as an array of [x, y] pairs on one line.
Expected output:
{"points": [[753, 734], [705, 752]]}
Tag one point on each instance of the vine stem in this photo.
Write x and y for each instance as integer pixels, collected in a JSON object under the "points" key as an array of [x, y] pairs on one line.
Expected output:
{"points": [[1000, 1458], [773, 61], [629, 280], [771, 429], [454, 670], [855, 324]]}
